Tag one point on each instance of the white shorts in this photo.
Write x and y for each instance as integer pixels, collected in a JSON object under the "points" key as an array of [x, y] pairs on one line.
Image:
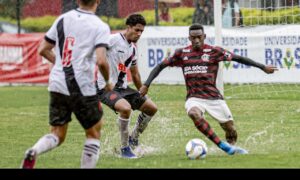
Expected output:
{"points": [[218, 109]]}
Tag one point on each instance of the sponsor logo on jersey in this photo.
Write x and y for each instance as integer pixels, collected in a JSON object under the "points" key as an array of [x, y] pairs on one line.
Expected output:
{"points": [[205, 57], [195, 69]]}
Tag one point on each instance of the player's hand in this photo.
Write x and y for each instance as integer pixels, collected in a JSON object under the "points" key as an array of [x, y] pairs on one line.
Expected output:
{"points": [[269, 69], [109, 87], [143, 90]]}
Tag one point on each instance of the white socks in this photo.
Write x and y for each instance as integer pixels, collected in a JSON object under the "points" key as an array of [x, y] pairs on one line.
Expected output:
{"points": [[124, 132], [90, 154], [46, 143]]}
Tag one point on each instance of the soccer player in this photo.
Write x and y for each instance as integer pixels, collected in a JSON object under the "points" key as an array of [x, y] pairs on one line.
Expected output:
{"points": [[199, 63], [122, 55], [72, 82]]}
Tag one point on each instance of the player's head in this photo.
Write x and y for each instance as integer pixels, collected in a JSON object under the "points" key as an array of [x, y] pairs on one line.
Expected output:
{"points": [[197, 35], [135, 27], [88, 3]]}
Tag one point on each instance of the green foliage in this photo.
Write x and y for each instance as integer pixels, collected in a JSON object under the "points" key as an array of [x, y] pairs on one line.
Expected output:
{"points": [[281, 16], [41, 24], [114, 23], [181, 17]]}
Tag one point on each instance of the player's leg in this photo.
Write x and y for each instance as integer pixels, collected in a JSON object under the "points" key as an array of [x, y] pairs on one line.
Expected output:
{"points": [[60, 115], [91, 149], [195, 108], [148, 110], [219, 110], [116, 102], [230, 132], [89, 113], [124, 110]]}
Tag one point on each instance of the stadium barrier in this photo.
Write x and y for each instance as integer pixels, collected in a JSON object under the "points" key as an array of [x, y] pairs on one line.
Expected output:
{"points": [[276, 45], [19, 59]]}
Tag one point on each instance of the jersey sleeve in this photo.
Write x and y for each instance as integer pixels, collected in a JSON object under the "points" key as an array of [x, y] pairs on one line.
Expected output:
{"points": [[51, 35], [103, 36], [175, 59], [221, 54], [134, 56]]}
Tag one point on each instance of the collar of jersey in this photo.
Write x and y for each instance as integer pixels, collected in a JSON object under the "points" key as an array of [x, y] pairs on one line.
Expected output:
{"points": [[84, 11], [122, 35]]}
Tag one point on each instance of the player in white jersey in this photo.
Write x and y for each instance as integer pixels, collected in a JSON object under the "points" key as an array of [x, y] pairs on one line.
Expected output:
{"points": [[80, 39], [122, 55]]}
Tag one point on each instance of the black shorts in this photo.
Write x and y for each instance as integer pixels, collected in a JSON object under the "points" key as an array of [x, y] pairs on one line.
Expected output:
{"points": [[87, 109], [110, 98]]}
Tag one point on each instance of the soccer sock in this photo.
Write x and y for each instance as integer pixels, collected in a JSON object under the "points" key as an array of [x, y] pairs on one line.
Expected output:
{"points": [[90, 154], [140, 125], [123, 128], [203, 126], [46, 143]]}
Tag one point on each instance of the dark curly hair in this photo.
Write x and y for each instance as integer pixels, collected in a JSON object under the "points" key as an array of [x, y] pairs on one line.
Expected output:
{"points": [[87, 2], [135, 19], [196, 26]]}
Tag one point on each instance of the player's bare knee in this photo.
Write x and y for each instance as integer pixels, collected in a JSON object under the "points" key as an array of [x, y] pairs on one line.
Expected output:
{"points": [[151, 109], [125, 111], [195, 114]]}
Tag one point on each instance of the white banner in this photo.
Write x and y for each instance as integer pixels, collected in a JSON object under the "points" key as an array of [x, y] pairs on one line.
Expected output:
{"points": [[276, 45]]}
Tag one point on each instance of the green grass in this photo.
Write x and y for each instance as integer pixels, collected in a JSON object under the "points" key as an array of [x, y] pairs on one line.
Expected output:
{"points": [[266, 116]]}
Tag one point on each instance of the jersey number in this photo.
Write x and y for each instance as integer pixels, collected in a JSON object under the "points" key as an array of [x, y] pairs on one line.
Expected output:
{"points": [[67, 52], [122, 67]]}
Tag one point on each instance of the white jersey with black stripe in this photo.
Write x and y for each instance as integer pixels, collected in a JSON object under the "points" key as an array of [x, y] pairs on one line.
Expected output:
{"points": [[121, 56], [76, 34]]}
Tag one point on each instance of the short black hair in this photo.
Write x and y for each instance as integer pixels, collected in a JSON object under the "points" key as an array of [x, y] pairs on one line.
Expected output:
{"points": [[196, 26], [88, 2], [135, 19]]}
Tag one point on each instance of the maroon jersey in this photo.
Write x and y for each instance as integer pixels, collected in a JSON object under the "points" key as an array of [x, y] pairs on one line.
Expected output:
{"points": [[200, 69]]}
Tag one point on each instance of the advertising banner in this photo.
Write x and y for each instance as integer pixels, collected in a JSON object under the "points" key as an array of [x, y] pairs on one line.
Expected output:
{"points": [[19, 59], [269, 45]]}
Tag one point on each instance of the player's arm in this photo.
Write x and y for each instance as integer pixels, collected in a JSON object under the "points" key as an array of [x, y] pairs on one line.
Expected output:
{"points": [[247, 61], [45, 50], [136, 77], [154, 73], [103, 66]]}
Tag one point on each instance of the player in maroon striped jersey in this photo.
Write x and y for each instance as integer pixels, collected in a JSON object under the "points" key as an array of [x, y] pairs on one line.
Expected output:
{"points": [[200, 63]]}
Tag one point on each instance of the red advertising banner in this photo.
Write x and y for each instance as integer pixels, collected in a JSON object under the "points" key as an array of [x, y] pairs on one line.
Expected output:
{"points": [[19, 59]]}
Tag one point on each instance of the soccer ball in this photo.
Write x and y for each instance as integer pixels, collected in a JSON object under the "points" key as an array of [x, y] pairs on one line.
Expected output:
{"points": [[196, 149]]}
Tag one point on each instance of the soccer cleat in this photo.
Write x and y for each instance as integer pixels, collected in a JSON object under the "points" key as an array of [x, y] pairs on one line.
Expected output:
{"points": [[133, 143], [29, 160], [240, 150], [126, 152], [229, 149]]}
